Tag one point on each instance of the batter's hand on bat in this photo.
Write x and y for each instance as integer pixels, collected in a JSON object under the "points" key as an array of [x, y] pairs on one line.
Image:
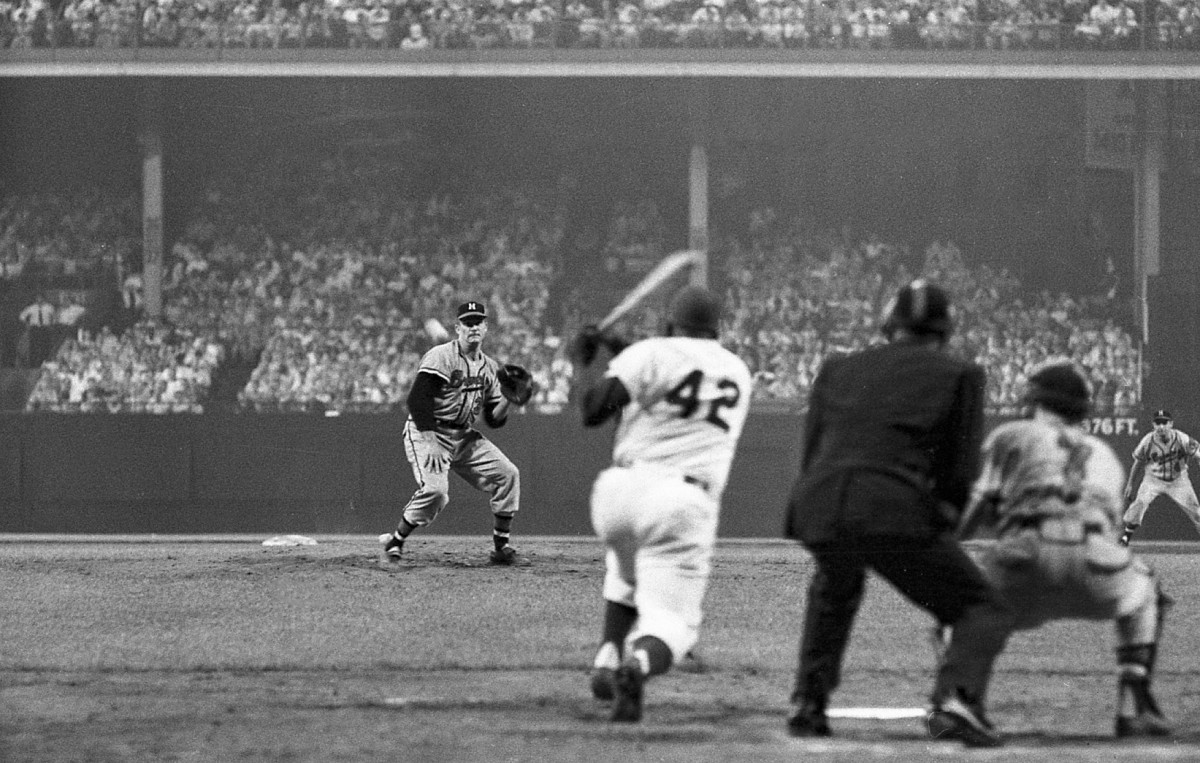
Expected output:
{"points": [[586, 344], [590, 341]]}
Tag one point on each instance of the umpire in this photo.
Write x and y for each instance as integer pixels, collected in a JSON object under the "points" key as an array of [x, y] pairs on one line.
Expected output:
{"points": [[891, 447]]}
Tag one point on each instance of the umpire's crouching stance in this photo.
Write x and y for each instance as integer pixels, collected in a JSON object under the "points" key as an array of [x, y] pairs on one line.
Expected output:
{"points": [[891, 446]]}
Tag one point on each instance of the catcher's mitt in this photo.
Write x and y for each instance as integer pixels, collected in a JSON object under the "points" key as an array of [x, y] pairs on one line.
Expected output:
{"points": [[516, 384]]}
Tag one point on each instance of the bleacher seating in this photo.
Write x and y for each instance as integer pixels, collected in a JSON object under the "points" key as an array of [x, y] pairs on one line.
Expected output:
{"points": [[327, 274], [453, 24]]}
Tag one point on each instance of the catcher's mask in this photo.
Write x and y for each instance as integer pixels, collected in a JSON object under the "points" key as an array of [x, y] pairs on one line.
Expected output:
{"points": [[694, 309], [920, 307], [1060, 386]]}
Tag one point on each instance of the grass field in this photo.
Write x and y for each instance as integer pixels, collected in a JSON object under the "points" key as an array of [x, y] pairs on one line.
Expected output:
{"points": [[221, 649]]}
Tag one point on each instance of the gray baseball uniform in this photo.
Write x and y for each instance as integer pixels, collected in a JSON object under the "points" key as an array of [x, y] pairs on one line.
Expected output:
{"points": [[468, 384]]}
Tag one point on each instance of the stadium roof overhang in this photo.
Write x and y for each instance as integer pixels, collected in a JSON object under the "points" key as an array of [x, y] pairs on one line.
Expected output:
{"points": [[160, 62]]}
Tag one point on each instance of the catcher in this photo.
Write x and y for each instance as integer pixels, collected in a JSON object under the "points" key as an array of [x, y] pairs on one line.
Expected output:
{"points": [[456, 382], [1051, 493]]}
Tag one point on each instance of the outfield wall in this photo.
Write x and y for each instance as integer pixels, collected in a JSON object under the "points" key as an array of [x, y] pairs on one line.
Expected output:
{"points": [[347, 474]]}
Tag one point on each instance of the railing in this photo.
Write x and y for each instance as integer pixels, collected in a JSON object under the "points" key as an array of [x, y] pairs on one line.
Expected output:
{"points": [[277, 29]]}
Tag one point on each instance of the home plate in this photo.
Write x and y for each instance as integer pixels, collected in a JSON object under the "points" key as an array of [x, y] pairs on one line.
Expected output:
{"points": [[877, 713]]}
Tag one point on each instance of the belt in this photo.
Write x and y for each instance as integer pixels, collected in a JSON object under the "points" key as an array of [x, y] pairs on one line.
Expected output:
{"points": [[699, 482], [1036, 522], [1060, 529], [1042, 492]]}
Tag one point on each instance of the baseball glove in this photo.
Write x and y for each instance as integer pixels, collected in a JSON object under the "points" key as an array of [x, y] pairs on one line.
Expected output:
{"points": [[516, 384]]}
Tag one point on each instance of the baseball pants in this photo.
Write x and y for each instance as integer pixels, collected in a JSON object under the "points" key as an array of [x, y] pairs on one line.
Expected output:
{"points": [[659, 532], [472, 457], [1179, 490], [1085, 576]]}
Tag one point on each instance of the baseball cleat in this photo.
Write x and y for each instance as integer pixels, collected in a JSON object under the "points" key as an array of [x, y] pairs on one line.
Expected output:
{"points": [[808, 720], [392, 548], [602, 683], [1145, 724], [506, 555], [953, 720], [628, 682]]}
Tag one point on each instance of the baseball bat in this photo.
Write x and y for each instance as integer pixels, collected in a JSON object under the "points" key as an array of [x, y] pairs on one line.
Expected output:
{"points": [[669, 266], [437, 332]]}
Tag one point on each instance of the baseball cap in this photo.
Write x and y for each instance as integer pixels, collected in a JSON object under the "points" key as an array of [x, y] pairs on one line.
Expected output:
{"points": [[471, 309], [1162, 415], [1061, 387]]}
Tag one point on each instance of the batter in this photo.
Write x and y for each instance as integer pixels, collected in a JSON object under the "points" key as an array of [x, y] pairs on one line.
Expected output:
{"points": [[682, 401]]}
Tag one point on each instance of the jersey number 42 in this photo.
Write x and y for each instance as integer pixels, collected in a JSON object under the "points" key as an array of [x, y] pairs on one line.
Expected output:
{"points": [[686, 395]]}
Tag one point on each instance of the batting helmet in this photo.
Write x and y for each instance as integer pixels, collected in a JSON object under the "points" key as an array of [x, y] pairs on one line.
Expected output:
{"points": [[694, 309], [920, 307], [1061, 387]]}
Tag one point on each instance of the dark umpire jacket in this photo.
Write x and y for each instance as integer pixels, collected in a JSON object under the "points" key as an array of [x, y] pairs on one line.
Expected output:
{"points": [[891, 445]]}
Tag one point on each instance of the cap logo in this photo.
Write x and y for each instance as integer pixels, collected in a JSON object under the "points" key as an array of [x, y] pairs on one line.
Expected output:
{"points": [[472, 308], [919, 299]]}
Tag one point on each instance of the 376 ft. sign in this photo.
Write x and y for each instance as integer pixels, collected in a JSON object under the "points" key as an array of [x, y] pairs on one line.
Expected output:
{"points": [[1112, 425]]}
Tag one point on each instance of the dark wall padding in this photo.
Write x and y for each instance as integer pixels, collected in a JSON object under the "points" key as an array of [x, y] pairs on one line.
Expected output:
{"points": [[347, 474]]}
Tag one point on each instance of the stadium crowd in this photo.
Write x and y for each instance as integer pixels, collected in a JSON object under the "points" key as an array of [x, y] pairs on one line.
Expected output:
{"points": [[67, 232], [797, 295], [150, 368], [334, 290], [320, 281], [422, 24]]}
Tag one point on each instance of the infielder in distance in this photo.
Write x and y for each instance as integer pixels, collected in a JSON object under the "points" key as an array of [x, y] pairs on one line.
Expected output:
{"points": [[1051, 494], [456, 382], [891, 447], [681, 401], [1161, 460]]}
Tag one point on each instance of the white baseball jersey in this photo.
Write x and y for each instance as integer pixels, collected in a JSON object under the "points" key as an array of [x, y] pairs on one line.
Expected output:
{"points": [[689, 400], [1167, 461], [469, 384]]}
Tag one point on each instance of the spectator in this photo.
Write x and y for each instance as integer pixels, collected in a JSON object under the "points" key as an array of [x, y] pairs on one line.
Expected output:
{"points": [[70, 315], [131, 296], [38, 318], [415, 39]]}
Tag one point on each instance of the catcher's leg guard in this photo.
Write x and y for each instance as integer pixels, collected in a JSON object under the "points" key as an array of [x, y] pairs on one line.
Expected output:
{"points": [[1138, 713]]}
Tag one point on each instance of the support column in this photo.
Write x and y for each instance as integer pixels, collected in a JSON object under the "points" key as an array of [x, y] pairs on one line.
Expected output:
{"points": [[152, 197], [1147, 173], [700, 128], [698, 209]]}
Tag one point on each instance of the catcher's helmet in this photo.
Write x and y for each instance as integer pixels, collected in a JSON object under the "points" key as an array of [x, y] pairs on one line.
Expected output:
{"points": [[694, 309], [1061, 387], [920, 307]]}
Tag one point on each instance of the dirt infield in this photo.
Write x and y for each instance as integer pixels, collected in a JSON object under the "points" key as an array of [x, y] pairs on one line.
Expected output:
{"points": [[170, 649]]}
